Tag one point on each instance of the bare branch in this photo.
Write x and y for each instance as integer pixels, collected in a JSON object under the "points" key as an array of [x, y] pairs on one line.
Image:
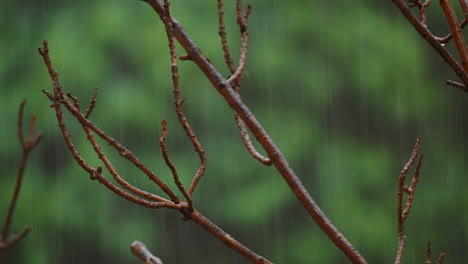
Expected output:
{"points": [[27, 145], [441, 258], [434, 42], [166, 17], [59, 98], [457, 85], [171, 166], [410, 190], [183, 207], [449, 37], [274, 153], [248, 143], [422, 9], [456, 32], [237, 83], [243, 24], [92, 103], [140, 251], [428, 253], [223, 35], [13, 239]]}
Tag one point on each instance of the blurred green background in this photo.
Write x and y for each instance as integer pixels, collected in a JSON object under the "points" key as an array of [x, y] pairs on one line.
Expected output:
{"points": [[343, 87]]}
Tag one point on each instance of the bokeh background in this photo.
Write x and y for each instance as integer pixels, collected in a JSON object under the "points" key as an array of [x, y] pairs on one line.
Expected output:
{"points": [[343, 87]]}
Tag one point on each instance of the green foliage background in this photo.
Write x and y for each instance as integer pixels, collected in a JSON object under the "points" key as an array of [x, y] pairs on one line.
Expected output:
{"points": [[343, 87]]}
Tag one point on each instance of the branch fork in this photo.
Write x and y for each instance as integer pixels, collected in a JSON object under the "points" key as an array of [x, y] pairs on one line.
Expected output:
{"points": [[460, 67]]}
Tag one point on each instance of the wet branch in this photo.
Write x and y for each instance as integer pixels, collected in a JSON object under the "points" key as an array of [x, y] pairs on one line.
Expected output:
{"points": [[437, 43], [404, 211], [232, 98], [126, 190], [28, 144], [242, 21]]}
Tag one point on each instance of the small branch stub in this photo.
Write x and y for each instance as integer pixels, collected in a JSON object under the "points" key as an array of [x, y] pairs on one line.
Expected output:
{"points": [[140, 251]]}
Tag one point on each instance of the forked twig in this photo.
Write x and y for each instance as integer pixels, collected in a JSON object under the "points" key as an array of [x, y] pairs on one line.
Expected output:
{"points": [[178, 103], [242, 20], [402, 214], [28, 144], [171, 166]]}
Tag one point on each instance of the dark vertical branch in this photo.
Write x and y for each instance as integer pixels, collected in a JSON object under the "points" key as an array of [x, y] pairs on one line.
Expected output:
{"points": [[27, 145]]}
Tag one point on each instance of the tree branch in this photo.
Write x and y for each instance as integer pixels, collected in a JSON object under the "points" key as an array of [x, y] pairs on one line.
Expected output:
{"points": [[456, 32], [184, 207], [436, 43], [274, 153], [27, 145], [243, 25]]}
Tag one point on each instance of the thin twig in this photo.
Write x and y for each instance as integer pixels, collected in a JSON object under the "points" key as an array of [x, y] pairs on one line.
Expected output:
{"points": [[428, 253], [13, 239], [238, 82], [457, 85], [422, 9], [248, 143], [441, 258], [170, 164], [92, 104], [243, 24], [411, 189], [166, 16], [27, 145], [403, 214], [223, 35], [449, 37], [140, 251]]}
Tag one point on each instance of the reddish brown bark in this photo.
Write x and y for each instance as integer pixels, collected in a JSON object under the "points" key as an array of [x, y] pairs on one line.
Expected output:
{"points": [[274, 153]]}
